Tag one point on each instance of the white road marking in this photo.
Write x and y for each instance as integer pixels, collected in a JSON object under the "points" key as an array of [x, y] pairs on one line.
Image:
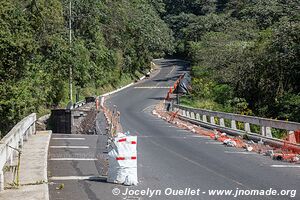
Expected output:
{"points": [[240, 152], [73, 159], [68, 138], [67, 178], [174, 67], [69, 147], [151, 87], [148, 107], [199, 136], [197, 163], [286, 166], [72, 136], [182, 130], [214, 143]]}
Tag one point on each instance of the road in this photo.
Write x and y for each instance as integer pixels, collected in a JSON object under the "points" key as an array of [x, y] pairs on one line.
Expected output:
{"points": [[167, 156]]}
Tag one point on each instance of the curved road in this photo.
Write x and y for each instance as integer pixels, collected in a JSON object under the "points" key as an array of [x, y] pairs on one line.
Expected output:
{"points": [[167, 156]]}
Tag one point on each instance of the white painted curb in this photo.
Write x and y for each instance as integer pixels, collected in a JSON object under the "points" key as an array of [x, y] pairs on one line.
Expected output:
{"points": [[47, 195], [115, 91], [120, 89]]}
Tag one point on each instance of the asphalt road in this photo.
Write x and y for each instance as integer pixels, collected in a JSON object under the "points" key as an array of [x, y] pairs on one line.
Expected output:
{"points": [[169, 159]]}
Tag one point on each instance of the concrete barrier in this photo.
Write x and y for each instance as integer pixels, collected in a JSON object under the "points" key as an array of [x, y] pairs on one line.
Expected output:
{"points": [[15, 139]]}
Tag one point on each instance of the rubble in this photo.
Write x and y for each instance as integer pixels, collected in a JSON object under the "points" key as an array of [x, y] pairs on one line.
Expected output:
{"points": [[285, 153]]}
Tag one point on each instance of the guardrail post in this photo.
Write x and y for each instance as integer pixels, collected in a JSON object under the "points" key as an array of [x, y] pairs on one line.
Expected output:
{"points": [[247, 127], [188, 114], [184, 113], [269, 132], [198, 116], [266, 131], [233, 125], [204, 118], [222, 122], [212, 120], [263, 131], [1, 180], [193, 115]]}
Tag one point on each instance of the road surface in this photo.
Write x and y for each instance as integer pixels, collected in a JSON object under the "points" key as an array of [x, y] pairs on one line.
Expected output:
{"points": [[169, 159]]}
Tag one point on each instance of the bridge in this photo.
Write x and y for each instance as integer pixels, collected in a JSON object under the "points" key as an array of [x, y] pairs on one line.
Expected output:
{"points": [[168, 157]]}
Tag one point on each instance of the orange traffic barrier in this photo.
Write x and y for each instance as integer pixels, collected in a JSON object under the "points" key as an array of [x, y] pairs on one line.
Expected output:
{"points": [[168, 96], [97, 103], [297, 136]]}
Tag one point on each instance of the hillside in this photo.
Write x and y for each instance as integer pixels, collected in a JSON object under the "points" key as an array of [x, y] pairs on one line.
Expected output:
{"points": [[245, 54]]}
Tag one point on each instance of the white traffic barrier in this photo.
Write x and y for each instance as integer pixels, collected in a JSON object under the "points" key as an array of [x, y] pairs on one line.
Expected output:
{"points": [[230, 142], [123, 160], [102, 102]]}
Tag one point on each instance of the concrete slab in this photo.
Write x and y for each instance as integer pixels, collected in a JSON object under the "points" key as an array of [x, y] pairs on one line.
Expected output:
{"points": [[33, 170]]}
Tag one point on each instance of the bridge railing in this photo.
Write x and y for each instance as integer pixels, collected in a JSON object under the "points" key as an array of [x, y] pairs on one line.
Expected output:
{"points": [[14, 140], [79, 104], [229, 122]]}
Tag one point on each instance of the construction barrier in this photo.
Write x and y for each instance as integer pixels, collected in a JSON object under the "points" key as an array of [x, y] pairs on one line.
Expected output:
{"points": [[123, 160], [102, 102]]}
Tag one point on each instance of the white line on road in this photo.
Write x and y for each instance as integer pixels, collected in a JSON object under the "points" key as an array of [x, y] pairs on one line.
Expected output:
{"points": [[67, 178], [166, 126], [174, 67], [73, 159], [215, 143], [71, 136], [151, 106], [68, 138], [286, 166], [69, 147], [183, 130], [240, 152], [151, 87], [199, 136]]}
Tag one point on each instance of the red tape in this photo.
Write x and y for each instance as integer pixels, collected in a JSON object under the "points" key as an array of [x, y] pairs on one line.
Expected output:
{"points": [[123, 158], [122, 140]]}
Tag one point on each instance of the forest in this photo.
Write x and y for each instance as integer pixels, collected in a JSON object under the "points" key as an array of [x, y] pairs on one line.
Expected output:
{"points": [[244, 53], [113, 43]]}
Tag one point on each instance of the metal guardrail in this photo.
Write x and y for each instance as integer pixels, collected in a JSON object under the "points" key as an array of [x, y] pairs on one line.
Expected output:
{"points": [[216, 120], [79, 104], [15, 139]]}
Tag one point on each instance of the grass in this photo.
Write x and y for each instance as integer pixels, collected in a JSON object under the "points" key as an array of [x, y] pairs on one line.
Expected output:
{"points": [[92, 91], [201, 103]]}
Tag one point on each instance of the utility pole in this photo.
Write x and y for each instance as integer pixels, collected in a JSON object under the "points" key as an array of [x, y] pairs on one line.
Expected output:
{"points": [[70, 43]]}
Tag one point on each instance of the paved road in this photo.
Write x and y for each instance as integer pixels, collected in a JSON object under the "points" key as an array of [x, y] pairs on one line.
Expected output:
{"points": [[167, 157]]}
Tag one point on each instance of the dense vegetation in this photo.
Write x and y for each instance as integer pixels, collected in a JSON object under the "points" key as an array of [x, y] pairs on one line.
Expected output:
{"points": [[113, 43], [245, 54]]}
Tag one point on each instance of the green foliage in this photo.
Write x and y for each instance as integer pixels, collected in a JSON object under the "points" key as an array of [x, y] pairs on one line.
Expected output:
{"points": [[112, 42], [245, 53], [248, 52], [222, 93]]}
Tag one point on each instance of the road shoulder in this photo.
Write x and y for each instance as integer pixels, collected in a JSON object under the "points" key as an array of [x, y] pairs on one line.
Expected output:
{"points": [[33, 170]]}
